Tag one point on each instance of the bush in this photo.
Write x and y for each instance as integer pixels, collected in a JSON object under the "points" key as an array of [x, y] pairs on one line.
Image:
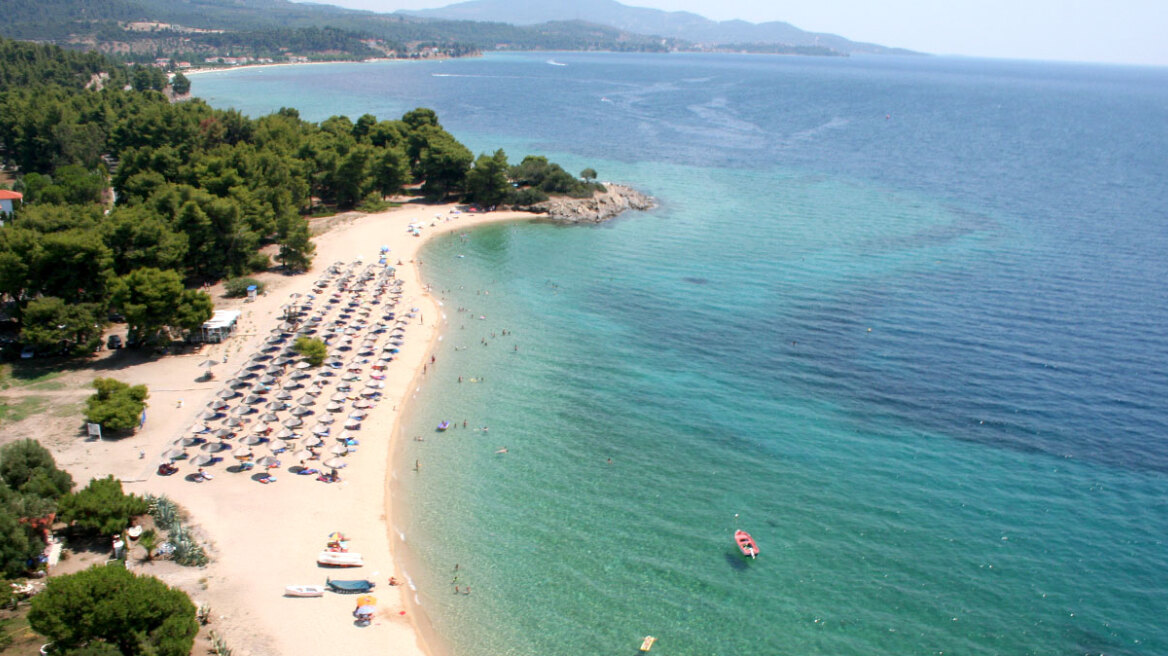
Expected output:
{"points": [[102, 507], [258, 262], [116, 406], [111, 606], [530, 196], [313, 350], [28, 468], [237, 287]]}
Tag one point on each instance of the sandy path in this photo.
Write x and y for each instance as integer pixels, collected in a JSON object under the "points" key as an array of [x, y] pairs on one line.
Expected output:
{"points": [[267, 536]]}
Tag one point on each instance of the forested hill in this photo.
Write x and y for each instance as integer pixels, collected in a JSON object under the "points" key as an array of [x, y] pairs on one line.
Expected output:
{"points": [[200, 192], [275, 29]]}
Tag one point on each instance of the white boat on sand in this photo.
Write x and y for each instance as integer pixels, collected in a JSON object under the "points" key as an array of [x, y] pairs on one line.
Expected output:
{"points": [[339, 559], [304, 591]]}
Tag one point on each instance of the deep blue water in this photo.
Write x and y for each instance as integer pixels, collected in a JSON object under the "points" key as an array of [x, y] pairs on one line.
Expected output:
{"points": [[901, 315]]}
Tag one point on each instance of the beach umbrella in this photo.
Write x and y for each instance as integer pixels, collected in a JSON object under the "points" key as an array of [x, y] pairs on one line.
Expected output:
{"points": [[293, 422], [253, 399], [174, 454], [363, 403], [367, 392], [274, 406], [287, 434], [223, 432], [313, 440], [242, 453], [268, 461], [344, 386], [339, 450], [274, 371], [208, 415], [352, 423], [252, 440], [326, 419], [217, 404], [312, 391], [207, 364], [284, 396], [306, 399], [320, 429], [188, 441], [375, 384], [215, 447], [335, 407], [339, 396], [226, 393], [302, 365], [351, 376], [240, 410], [269, 416], [300, 411], [260, 428], [281, 361], [358, 415], [261, 357], [268, 380], [303, 454], [335, 463], [202, 460], [234, 422], [199, 428]]}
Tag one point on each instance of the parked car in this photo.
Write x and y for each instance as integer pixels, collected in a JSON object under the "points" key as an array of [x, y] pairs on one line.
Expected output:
{"points": [[114, 342], [27, 353]]}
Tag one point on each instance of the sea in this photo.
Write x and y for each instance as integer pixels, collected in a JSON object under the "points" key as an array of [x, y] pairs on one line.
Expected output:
{"points": [[901, 318]]}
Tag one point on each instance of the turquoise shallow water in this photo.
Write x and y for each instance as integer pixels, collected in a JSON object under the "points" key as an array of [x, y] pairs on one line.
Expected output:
{"points": [[900, 316]]}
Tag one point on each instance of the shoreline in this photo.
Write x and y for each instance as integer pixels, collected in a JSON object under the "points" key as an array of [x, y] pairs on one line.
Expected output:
{"points": [[263, 537]]}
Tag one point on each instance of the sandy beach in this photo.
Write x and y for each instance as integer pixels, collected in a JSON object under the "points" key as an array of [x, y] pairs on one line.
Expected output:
{"points": [[263, 537]]}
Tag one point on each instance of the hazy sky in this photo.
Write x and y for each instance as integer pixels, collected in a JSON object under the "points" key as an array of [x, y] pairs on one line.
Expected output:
{"points": [[1124, 31]]}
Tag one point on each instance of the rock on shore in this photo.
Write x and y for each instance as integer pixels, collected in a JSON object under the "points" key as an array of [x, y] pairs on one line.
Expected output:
{"points": [[601, 207]]}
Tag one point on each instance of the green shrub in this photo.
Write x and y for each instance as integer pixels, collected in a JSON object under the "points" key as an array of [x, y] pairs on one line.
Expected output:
{"points": [[102, 507], [530, 196], [258, 262], [313, 350], [116, 405], [109, 605], [237, 287]]}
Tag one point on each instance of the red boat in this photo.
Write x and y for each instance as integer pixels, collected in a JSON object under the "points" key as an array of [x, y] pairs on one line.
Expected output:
{"points": [[745, 543]]}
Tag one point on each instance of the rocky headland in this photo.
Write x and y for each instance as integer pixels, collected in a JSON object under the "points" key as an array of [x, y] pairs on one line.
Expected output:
{"points": [[601, 207]]}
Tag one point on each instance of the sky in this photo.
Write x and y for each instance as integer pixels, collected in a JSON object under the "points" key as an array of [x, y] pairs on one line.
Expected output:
{"points": [[1110, 31]]}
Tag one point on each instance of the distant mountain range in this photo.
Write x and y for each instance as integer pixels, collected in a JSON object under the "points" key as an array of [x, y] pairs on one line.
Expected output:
{"points": [[278, 30], [681, 25]]}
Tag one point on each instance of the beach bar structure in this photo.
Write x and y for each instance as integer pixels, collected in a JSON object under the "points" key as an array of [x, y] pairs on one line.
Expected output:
{"points": [[220, 326]]}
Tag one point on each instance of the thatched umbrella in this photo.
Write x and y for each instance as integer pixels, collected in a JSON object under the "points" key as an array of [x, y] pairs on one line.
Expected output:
{"points": [[339, 450], [174, 454], [287, 434], [252, 440], [202, 460], [275, 406], [306, 399], [293, 422], [268, 462], [215, 447], [284, 395], [336, 463], [233, 422], [320, 429], [223, 432], [188, 441], [242, 453], [300, 411], [335, 407], [226, 393], [240, 410], [302, 454], [260, 428], [313, 440], [253, 399], [269, 416], [199, 428]]}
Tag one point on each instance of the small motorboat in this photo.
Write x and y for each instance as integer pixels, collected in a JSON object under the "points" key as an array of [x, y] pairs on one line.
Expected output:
{"points": [[745, 543], [353, 586], [339, 559], [304, 591], [443, 426]]}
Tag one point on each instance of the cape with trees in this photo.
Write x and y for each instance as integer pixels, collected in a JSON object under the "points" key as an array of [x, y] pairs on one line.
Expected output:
{"points": [[199, 191]]}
